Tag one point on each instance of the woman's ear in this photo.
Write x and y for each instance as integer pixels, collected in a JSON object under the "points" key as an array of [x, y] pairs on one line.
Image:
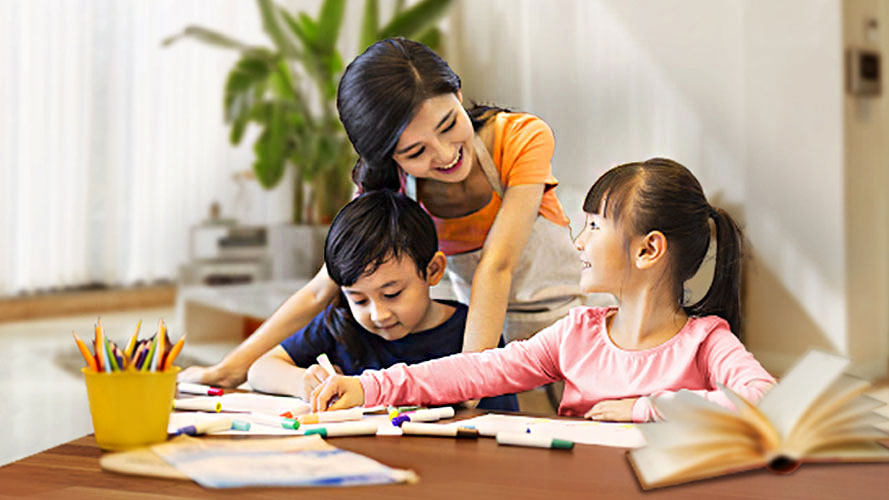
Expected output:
{"points": [[436, 268], [460, 95], [651, 249]]}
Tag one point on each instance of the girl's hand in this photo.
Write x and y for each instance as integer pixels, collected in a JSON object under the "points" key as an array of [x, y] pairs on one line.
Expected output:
{"points": [[337, 393], [313, 377], [614, 410]]}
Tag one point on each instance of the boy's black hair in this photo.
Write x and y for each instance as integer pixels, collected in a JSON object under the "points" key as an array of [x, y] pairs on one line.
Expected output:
{"points": [[660, 194], [370, 230]]}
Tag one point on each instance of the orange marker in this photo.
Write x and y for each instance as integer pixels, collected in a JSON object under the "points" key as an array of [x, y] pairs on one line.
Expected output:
{"points": [[90, 361], [174, 352]]}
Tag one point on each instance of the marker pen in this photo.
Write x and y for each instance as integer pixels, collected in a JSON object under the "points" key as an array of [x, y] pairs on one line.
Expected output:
{"points": [[427, 415], [346, 429], [324, 361], [524, 439], [206, 427], [423, 429], [205, 390], [356, 413], [197, 404], [269, 420]]}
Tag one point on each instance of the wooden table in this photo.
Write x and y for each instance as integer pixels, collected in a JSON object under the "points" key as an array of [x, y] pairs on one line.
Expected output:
{"points": [[451, 469]]}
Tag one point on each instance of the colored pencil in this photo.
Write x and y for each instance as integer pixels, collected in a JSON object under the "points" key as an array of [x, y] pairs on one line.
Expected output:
{"points": [[131, 345], [174, 352], [85, 352]]}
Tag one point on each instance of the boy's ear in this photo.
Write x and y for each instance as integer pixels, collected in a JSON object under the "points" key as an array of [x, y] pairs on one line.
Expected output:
{"points": [[436, 268], [650, 250]]}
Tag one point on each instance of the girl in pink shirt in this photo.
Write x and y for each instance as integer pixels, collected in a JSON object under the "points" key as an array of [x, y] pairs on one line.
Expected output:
{"points": [[647, 232]]}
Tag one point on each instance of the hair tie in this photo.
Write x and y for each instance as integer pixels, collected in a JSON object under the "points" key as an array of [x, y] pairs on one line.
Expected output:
{"points": [[712, 212]]}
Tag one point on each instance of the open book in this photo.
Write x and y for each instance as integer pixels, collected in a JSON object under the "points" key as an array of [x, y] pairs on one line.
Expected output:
{"points": [[815, 414]]}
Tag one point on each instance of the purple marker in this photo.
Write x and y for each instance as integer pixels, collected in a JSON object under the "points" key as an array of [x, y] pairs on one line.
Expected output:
{"points": [[428, 415]]}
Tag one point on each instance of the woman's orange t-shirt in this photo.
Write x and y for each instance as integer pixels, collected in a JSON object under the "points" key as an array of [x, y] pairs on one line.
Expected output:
{"points": [[523, 150]]}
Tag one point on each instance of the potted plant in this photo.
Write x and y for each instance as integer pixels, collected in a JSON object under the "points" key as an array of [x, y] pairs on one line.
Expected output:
{"points": [[289, 91]]}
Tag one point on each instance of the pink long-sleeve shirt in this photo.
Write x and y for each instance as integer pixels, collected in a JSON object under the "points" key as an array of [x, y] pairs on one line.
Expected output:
{"points": [[578, 350]]}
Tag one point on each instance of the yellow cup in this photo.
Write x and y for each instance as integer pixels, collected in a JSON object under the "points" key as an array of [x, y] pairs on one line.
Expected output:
{"points": [[130, 409]]}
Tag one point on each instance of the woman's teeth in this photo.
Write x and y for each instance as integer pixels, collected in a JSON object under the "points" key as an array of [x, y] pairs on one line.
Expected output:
{"points": [[451, 165]]}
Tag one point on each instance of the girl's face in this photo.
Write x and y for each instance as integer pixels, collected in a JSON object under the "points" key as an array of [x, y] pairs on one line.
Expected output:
{"points": [[437, 143], [392, 301], [603, 255]]}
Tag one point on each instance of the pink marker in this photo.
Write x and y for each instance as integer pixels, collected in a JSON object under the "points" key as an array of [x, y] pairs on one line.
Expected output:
{"points": [[204, 390]]}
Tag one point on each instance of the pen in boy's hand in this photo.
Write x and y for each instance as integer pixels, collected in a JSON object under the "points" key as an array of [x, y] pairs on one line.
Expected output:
{"points": [[324, 361]]}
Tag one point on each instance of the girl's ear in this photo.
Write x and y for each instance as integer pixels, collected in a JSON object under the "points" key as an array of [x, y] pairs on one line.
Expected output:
{"points": [[436, 268], [460, 95], [651, 249]]}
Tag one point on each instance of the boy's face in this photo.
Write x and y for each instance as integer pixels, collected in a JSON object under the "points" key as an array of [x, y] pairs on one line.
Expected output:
{"points": [[393, 301]]}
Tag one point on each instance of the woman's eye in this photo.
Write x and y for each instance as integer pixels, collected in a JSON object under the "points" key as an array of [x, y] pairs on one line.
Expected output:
{"points": [[417, 154], [449, 127], [593, 225], [359, 302], [392, 295]]}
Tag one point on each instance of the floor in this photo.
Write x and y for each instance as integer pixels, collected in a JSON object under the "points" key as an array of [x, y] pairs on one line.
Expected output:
{"points": [[43, 397]]}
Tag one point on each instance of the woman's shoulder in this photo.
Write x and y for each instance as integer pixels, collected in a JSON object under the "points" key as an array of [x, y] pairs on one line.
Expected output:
{"points": [[509, 124]]}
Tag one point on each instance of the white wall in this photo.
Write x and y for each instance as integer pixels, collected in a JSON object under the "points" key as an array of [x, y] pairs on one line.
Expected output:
{"points": [[746, 94]]}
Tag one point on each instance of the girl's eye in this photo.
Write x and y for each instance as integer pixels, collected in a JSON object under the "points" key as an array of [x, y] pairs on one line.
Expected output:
{"points": [[392, 295], [449, 127], [417, 154], [360, 302], [593, 225]]}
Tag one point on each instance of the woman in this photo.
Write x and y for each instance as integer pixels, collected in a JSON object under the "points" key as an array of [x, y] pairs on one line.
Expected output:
{"points": [[483, 174]]}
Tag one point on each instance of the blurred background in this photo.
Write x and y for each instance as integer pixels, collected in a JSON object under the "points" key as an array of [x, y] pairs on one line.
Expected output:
{"points": [[179, 159]]}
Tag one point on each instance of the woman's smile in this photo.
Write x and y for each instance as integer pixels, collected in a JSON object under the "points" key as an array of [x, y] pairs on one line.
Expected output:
{"points": [[454, 165]]}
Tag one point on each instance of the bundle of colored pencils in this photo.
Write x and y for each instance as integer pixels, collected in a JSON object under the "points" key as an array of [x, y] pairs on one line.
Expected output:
{"points": [[156, 353]]}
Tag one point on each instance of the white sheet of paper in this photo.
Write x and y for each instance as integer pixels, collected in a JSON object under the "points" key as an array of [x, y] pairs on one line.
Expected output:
{"points": [[616, 434]]}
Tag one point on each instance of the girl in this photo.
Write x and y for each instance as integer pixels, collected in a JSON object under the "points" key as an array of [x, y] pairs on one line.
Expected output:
{"points": [[382, 252], [647, 232], [484, 175]]}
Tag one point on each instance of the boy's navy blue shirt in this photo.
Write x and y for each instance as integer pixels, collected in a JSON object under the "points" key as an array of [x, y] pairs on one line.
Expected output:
{"points": [[446, 339]]}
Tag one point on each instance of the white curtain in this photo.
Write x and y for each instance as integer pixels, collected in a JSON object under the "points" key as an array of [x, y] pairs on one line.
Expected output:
{"points": [[111, 145]]}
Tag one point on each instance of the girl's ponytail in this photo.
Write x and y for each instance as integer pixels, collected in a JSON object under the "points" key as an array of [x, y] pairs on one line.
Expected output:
{"points": [[724, 296]]}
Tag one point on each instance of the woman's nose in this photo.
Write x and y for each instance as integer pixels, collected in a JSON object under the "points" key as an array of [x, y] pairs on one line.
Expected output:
{"points": [[444, 152]]}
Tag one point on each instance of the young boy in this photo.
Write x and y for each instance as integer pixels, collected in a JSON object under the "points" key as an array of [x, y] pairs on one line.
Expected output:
{"points": [[382, 251]]}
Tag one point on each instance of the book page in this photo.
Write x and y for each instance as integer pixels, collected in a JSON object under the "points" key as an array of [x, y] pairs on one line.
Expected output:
{"points": [[786, 403], [305, 461]]}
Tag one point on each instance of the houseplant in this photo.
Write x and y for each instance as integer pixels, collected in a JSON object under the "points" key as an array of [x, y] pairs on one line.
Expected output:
{"points": [[289, 91]]}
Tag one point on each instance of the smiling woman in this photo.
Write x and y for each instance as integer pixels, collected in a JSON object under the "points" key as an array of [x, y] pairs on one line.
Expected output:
{"points": [[483, 174]]}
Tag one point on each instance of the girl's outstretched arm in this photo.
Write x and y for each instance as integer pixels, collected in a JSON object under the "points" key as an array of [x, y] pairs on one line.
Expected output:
{"points": [[519, 366], [293, 314]]}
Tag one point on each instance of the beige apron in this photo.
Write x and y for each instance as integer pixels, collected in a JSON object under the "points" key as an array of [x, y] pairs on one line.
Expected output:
{"points": [[545, 281]]}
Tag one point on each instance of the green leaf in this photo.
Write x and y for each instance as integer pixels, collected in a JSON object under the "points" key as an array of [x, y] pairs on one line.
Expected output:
{"points": [[416, 19], [241, 83], [274, 25], [369, 25], [431, 38], [207, 36], [330, 19], [282, 81], [271, 151], [309, 29], [297, 29]]}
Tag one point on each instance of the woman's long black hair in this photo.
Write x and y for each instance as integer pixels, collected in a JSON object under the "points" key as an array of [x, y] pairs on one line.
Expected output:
{"points": [[380, 92], [662, 195], [370, 230]]}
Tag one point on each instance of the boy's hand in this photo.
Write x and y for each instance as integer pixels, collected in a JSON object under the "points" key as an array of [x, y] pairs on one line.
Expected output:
{"points": [[337, 393], [614, 410], [314, 376]]}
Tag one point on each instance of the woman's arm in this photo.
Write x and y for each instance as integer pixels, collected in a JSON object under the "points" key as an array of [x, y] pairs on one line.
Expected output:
{"points": [[293, 314], [500, 255]]}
